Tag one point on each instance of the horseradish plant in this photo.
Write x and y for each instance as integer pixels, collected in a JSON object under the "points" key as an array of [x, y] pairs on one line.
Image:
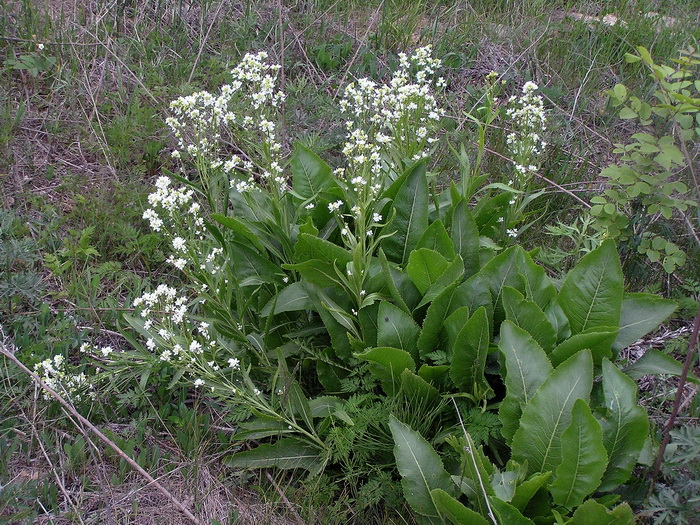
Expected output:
{"points": [[359, 327]]}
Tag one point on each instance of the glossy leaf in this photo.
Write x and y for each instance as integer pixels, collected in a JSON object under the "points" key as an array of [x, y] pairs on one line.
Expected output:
{"points": [[425, 267], [310, 174], [290, 299], [591, 294], [641, 313], [598, 340], [284, 454], [469, 355], [655, 362], [528, 316], [396, 328], [438, 310], [420, 467], [411, 219], [625, 426], [465, 237], [538, 439], [436, 239], [528, 488], [387, 364], [456, 512], [527, 366], [592, 512], [584, 461], [507, 513]]}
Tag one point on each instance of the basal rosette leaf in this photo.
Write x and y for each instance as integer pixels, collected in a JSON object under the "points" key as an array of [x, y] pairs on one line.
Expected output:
{"points": [[584, 461], [591, 295], [528, 316], [411, 216], [548, 414], [625, 426], [469, 355], [641, 313], [421, 470], [396, 328]]}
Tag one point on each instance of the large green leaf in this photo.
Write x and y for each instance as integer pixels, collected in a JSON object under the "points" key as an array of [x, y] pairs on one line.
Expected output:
{"points": [[641, 313], [251, 268], [310, 175], [538, 439], [654, 362], [502, 271], [436, 238], [591, 295], [398, 284], [527, 366], [625, 426], [387, 364], [593, 513], [396, 328], [598, 340], [290, 299], [452, 275], [424, 267], [435, 317], [507, 513], [239, 228], [324, 274], [285, 453], [420, 467], [456, 512], [528, 316], [411, 219], [452, 325], [465, 237], [528, 488], [538, 286], [469, 355], [310, 247], [584, 462]]}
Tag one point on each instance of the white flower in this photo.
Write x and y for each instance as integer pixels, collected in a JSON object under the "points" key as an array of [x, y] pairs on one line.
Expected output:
{"points": [[234, 363], [335, 206], [376, 218], [198, 383]]}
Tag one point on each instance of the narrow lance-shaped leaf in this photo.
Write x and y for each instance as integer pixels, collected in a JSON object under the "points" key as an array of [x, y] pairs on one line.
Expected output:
{"points": [[420, 467], [591, 294], [285, 453], [625, 426], [585, 459], [538, 439], [465, 237]]}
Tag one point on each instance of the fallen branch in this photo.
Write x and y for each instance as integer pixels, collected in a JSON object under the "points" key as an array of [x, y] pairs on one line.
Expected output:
{"points": [[151, 481]]}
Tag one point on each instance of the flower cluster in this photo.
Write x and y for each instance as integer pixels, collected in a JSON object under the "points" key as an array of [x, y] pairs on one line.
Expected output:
{"points": [[528, 120], [246, 106], [396, 116], [173, 209], [54, 372]]}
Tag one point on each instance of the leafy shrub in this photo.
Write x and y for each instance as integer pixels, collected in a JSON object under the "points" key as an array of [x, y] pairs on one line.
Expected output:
{"points": [[346, 317]]}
